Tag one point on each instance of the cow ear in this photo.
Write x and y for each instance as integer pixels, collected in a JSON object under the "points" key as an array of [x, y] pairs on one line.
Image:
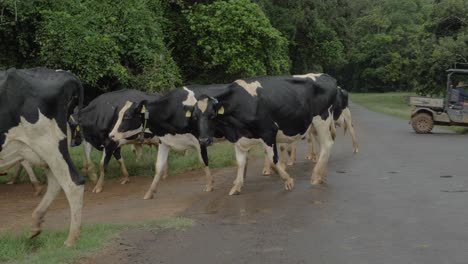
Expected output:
{"points": [[141, 108]]}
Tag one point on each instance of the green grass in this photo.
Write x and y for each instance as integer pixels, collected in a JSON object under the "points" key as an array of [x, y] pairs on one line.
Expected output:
{"points": [[394, 104], [220, 155], [48, 248]]}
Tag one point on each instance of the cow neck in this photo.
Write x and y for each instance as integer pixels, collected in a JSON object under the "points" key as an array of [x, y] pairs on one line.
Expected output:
{"points": [[159, 114]]}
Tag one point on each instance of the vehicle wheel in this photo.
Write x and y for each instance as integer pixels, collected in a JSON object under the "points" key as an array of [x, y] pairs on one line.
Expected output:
{"points": [[422, 123]]}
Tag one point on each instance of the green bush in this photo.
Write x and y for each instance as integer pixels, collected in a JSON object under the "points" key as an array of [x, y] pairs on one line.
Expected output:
{"points": [[235, 39], [108, 44]]}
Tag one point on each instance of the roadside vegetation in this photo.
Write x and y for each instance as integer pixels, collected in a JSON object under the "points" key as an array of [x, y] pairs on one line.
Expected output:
{"points": [[369, 45], [48, 248], [220, 155], [394, 104]]}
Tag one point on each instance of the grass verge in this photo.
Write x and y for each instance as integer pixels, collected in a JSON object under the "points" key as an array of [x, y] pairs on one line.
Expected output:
{"points": [[220, 155], [394, 104], [48, 248]]}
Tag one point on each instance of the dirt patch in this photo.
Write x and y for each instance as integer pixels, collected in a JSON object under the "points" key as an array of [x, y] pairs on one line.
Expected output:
{"points": [[116, 204]]}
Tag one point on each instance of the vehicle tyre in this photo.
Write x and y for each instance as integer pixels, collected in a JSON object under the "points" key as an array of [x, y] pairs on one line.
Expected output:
{"points": [[422, 123]]}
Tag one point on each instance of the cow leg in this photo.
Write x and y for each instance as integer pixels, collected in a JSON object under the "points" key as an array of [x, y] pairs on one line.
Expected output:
{"points": [[282, 155], [32, 176], [106, 155], [292, 154], [324, 133], [349, 124], [88, 164], [311, 155], [266, 164], [53, 189], [137, 150], [241, 158], [288, 181], [13, 179], [160, 167], [125, 178], [203, 156]]}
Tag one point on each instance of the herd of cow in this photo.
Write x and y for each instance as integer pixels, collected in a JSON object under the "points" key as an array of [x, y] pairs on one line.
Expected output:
{"points": [[42, 114]]}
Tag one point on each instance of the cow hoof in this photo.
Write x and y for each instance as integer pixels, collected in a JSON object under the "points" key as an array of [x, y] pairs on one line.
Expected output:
{"points": [[34, 233], [289, 184], [97, 189], [209, 188], [236, 190], [148, 196], [356, 150], [266, 172], [316, 182], [124, 181], [39, 190], [69, 242], [290, 163]]}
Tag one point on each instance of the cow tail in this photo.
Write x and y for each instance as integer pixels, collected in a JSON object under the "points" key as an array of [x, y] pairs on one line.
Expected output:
{"points": [[331, 123], [345, 127], [80, 100]]}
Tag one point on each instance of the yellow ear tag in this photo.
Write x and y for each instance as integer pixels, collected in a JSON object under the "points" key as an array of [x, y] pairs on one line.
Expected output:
{"points": [[188, 114], [78, 128], [143, 109], [221, 111]]}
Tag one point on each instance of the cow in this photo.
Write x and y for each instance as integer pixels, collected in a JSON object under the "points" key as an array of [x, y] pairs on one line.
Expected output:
{"points": [[344, 120], [34, 108], [97, 120], [169, 118], [271, 110]]}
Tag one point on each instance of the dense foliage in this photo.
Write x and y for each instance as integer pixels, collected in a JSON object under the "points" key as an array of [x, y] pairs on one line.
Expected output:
{"points": [[369, 45]]}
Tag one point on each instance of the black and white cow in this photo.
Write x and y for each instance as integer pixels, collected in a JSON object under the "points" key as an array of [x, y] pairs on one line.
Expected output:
{"points": [[344, 120], [271, 110], [97, 121], [169, 118], [34, 108]]}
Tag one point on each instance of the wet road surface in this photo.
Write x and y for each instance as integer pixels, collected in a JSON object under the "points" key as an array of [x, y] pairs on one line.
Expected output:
{"points": [[402, 199]]}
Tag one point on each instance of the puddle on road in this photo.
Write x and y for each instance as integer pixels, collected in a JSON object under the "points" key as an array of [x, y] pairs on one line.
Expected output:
{"points": [[446, 176], [454, 191]]}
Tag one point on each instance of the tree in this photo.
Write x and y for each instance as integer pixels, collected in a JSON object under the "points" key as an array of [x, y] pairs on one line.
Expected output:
{"points": [[234, 39]]}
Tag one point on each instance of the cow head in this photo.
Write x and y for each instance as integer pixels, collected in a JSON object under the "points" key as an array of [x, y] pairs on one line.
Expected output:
{"points": [[75, 130], [206, 110], [130, 120]]}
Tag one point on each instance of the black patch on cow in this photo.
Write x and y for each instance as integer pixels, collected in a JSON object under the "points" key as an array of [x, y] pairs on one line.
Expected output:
{"points": [[282, 103], [204, 154], [77, 178]]}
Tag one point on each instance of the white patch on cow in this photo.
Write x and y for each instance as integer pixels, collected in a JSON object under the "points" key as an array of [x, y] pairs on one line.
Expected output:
{"points": [[312, 76], [325, 139], [242, 146], [190, 100], [251, 88], [203, 104], [38, 143], [178, 142], [115, 134]]}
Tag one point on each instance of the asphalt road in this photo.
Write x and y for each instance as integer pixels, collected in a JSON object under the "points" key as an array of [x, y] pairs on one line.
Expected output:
{"points": [[402, 199]]}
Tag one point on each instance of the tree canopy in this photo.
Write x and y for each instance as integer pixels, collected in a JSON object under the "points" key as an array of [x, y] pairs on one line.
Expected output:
{"points": [[154, 45]]}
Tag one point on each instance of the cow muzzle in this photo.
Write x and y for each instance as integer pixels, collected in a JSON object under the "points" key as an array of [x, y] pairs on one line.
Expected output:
{"points": [[205, 141]]}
